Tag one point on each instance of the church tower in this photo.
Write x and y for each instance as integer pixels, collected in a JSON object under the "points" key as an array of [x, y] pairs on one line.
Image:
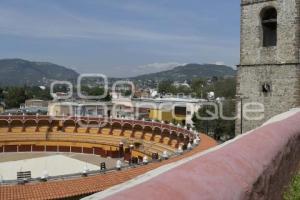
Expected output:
{"points": [[269, 70]]}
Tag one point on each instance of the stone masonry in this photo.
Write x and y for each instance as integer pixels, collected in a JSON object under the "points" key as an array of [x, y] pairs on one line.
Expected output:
{"points": [[278, 66]]}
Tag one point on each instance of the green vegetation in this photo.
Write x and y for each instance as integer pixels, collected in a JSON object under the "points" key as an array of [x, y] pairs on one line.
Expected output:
{"points": [[293, 192], [188, 72], [14, 96], [1, 94], [223, 87], [18, 72], [95, 91], [219, 128]]}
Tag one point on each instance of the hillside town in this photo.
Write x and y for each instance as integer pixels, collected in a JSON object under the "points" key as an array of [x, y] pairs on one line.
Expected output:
{"points": [[163, 104]]}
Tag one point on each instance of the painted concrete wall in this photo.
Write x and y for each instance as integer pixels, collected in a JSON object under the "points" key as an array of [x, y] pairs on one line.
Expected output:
{"points": [[255, 165]]}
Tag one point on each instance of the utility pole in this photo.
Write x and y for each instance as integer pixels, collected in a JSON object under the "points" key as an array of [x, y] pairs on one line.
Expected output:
{"points": [[241, 97]]}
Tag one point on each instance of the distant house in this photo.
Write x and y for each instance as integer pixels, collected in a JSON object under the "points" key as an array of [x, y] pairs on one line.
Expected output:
{"points": [[2, 107], [184, 84], [36, 103], [92, 109]]}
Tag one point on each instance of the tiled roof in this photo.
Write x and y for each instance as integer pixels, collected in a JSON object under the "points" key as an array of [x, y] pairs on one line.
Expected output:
{"points": [[88, 185]]}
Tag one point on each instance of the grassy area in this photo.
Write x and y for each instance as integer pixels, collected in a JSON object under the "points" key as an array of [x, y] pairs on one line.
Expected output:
{"points": [[293, 192]]}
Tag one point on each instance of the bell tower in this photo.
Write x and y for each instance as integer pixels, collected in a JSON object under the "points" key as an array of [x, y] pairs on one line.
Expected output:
{"points": [[269, 70]]}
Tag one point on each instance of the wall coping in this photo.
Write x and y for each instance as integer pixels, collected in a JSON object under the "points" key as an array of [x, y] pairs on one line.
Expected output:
{"points": [[169, 172]]}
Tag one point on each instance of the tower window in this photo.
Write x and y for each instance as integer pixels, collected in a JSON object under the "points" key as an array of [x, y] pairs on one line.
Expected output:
{"points": [[269, 26]]}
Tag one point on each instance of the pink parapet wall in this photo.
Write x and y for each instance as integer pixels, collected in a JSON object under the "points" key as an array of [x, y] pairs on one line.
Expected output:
{"points": [[256, 165]]}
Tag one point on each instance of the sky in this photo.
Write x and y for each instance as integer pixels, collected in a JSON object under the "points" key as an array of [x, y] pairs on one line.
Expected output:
{"points": [[121, 38]]}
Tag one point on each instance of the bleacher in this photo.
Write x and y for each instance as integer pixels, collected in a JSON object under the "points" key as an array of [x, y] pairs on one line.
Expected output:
{"points": [[108, 136]]}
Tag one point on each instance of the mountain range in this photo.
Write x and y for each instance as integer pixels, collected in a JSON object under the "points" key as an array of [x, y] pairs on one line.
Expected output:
{"points": [[188, 72], [17, 72]]}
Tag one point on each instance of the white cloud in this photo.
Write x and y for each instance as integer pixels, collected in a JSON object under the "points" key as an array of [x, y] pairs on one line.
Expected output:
{"points": [[161, 66], [156, 67], [64, 24], [220, 63]]}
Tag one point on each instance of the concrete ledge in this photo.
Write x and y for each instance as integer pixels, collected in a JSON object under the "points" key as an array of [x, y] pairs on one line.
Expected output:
{"points": [[256, 165]]}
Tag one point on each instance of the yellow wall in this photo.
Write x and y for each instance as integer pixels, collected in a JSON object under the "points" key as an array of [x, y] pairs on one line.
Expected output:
{"points": [[160, 115], [1, 109]]}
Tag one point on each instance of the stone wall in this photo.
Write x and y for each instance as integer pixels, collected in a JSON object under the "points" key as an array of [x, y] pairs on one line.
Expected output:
{"points": [[287, 49], [284, 95], [277, 66]]}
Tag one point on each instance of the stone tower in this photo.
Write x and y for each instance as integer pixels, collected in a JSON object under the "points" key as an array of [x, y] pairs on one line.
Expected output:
{"points": [[269, 70]]}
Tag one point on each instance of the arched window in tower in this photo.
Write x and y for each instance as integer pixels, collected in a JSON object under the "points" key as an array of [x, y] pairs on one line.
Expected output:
{"points": [[269, 26]]}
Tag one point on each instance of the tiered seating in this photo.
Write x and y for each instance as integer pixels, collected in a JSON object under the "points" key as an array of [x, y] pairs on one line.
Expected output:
{"points": [[138, 134], [103, 139], [148, 136], [117, 132], [157, 138], [105, 131], [166, 140], [107, 137], [4, 129], [55, 129], [17, 129], [69, 129], [157, 147], [174, 143], [22, 137], [82, 129], [94, 130], [43, 129], [127, 133], [30, 126]]}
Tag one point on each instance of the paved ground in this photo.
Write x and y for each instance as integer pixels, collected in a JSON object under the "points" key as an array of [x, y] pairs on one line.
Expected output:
{"points": [[54, 163], [92, 159]]}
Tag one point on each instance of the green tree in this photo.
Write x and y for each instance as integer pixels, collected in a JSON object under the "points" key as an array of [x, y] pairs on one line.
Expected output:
{"points": [[198, 87], [166, 86], [1, 94], [183, 90], [96, 91], [36, 92], [15, 96], [225, 88], [220, 128]]}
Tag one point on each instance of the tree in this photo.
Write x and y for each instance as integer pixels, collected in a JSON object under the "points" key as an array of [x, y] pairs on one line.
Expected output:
{"points": [[1, 94], [36, 92], [166, 86], [225, 88], [15, 96], [198, 87], [96, 91], [220, 128], [183, 90]]}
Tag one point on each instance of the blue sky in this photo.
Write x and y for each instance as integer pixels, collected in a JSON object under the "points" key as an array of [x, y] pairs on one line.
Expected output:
{"points": [[120, 37]]}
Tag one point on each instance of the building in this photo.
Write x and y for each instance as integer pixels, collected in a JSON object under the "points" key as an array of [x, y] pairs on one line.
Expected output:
{"points": [[33, 103], [269, 70], [179, 110], [2, 107], [102, 109]]}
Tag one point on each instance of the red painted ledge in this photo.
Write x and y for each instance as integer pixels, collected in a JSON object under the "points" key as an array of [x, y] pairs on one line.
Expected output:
{"points": [[254, 166]]}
